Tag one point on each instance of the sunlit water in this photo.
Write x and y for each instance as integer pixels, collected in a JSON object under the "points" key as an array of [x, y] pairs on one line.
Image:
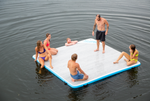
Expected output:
{"points": [[22, 23]]}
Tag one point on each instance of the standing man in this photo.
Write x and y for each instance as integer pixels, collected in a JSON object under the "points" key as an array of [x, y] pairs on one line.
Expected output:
{"points": [[101, 33]]}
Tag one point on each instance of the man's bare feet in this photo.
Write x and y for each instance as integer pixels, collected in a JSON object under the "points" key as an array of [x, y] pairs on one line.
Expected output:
{"points": [[103, 51], [115, 62], [73, 80], [96, 50]]}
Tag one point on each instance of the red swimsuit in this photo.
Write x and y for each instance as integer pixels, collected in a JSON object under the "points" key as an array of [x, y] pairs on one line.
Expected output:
{"points": [[48, 45]]}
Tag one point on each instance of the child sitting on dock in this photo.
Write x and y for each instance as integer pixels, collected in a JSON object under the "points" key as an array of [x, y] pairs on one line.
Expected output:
{"points": [[77, 74], [69, 42]]}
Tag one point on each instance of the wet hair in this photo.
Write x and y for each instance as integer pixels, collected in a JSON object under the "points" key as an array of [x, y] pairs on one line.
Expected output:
{"points": [[47, 34], [133, 47], [67, 39], [38, 45], [98, 15], [74, 57]]}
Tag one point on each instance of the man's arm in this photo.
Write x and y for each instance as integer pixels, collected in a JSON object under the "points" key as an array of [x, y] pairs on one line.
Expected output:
{"points": [[94, 28], [75, 41], [68, 64], [80, 70], [66, 44], [107, 26]]}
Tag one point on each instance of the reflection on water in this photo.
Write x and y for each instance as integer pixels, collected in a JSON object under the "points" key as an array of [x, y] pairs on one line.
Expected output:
{"points": [[43, 75], [132, 77], [101, 90], [77, 94], [25, 22]]}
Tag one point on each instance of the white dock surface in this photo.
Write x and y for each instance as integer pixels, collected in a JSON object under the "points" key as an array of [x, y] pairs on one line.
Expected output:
{"points": [[95, 64]]}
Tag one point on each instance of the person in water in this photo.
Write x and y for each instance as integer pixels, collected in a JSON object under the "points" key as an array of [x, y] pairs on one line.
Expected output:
{"points": [[69, 42], [101, 33], [50, 50], [130, 59], [43, 56], [77, 74]]}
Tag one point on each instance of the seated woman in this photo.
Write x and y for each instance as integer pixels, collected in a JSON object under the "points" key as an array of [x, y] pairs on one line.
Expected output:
{"points": [[43, 56], [69, 42], [132, 58], [52, 51]]}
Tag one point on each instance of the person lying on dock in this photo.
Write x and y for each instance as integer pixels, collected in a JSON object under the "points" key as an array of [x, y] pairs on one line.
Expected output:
{"points": [[76, 73], [43, 56], [69, 42], [132, 58]]}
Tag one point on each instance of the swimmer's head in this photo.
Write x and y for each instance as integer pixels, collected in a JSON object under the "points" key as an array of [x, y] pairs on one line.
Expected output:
{"points": [[98, 17], [68, 40], [74, 57]]}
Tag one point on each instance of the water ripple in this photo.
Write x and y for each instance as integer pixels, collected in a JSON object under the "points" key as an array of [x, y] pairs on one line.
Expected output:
{"points": [[25, 22]]}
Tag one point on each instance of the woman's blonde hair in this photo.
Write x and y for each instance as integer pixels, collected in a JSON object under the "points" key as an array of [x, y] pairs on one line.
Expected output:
{"points": [[38, 45]]}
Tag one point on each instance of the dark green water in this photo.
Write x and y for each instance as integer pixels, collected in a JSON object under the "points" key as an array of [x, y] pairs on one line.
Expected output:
{"points": [[22, 23]]}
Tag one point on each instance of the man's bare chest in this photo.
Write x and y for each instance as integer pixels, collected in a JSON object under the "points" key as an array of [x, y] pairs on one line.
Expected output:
{"points": [[100, 23]]}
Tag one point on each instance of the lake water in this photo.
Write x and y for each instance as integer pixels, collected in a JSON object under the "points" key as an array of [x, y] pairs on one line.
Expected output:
{"points": [[23, 22]]}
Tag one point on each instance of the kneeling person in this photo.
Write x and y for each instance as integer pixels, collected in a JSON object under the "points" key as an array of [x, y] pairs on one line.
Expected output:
{"points": [[77, 74]]}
